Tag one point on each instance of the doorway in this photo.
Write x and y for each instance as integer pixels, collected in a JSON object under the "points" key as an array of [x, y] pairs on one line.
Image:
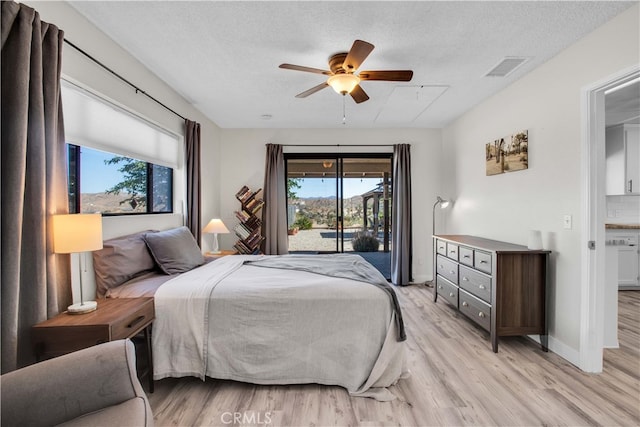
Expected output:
{"points": [[593, 240], [340, 203]]}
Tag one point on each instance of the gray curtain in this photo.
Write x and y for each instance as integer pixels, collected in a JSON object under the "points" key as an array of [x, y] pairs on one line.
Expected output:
{"points": [[35, 282], [402, 252], [192, 146], [274, 214]]}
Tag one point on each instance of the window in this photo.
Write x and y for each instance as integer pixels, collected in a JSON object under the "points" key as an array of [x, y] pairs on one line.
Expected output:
{"points": [[118, 161], [113, 184]]}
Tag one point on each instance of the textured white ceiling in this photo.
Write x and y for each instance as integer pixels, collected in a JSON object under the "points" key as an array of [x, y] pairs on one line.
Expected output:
{"points": [[223, 57]]}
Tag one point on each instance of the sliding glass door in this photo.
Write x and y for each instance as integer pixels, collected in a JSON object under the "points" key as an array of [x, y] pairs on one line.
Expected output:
{"points": [[340, 203], [313, 204]]}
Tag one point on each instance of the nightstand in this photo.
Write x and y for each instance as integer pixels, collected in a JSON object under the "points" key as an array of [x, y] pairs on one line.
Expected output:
{"points": [[211, 255], [114, 319]]}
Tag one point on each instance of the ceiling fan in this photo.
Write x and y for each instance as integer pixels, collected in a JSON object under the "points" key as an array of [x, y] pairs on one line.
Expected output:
{"points": [[343, 78]]}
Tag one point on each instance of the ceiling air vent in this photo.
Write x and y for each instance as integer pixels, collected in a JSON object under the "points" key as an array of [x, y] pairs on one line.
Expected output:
{"points": [[507, 66]]}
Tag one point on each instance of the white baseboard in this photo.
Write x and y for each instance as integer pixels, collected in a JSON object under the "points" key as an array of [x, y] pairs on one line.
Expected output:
{"points": [[570, 354]]}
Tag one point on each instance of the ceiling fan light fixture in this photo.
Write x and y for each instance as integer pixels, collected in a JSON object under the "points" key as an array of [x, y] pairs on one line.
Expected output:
{"points": [[343, 83]]}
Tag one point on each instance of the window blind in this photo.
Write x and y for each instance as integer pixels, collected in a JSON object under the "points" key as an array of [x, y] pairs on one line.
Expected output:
{"points": [[94, 122]]}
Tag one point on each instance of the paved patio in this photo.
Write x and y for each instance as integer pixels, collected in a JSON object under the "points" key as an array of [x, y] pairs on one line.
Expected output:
{"points": [[324, 240]]}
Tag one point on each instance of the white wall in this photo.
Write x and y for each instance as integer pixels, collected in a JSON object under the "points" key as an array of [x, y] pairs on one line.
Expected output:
{"points": [[243, 158], [79, 69], [547, 102]]}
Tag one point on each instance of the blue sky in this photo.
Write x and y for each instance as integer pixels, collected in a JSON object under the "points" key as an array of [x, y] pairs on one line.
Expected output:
{"points": [[96, 175]]}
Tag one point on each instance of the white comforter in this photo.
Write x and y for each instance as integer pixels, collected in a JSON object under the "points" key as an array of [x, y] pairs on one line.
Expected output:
{"points": [[232, 321]]}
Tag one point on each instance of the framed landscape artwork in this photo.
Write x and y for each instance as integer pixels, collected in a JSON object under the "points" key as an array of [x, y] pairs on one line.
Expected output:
{"points": [[508, 154]]}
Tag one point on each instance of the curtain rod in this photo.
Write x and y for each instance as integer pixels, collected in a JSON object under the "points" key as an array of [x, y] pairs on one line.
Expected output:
{"points": [[337, 145], [138, 90]]}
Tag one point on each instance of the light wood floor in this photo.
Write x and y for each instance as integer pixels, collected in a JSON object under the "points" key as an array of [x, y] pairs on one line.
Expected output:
{"points": [[455, 380]]}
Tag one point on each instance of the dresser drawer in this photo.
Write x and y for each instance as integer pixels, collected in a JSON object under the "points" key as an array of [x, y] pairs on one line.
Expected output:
{"points": [[130, 325], [465, 255], [447, 269], [447, 290], [452, 251], [482, 261], [475, 282], [475, 309], [441, 247]]}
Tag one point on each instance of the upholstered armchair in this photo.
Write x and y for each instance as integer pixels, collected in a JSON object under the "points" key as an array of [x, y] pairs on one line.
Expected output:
{"points": [[96, 386]]}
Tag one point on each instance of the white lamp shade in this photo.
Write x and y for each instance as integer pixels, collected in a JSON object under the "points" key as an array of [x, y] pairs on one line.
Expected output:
{"points": [[343, 83], [77, 233], [215, 226]]}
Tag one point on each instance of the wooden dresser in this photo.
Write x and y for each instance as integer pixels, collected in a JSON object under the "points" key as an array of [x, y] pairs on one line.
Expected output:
{"points": [[498, 285]]}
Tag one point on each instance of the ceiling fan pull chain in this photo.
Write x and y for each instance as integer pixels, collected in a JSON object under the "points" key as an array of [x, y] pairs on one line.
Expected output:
{"points": [[344, 114]]}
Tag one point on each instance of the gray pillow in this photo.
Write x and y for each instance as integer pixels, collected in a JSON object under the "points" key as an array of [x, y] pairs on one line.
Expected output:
{"points": [[175, 250], [121, 259]]}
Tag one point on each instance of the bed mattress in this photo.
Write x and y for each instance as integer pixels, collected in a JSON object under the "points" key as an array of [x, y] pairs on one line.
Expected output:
{"points": [[227, 320]]}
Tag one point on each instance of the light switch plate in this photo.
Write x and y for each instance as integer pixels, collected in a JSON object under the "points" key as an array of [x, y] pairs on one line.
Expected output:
{"points": [[567, 222]]}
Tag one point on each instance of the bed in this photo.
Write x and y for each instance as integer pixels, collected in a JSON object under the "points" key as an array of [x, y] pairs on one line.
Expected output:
{"points": [[263, 319]]}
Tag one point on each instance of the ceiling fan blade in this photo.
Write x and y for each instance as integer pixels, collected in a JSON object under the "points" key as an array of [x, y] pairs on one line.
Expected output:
{"points": [[312, 90], [356, 56], [307, 69], [388, 75], [359, 95]]}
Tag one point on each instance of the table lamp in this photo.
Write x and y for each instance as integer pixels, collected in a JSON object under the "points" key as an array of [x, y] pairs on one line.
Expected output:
{"points": [[214, 227], [78, 233]]}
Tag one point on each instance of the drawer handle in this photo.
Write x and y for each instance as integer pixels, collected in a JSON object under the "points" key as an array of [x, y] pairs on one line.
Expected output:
{"points": [[136, 321], [452, 272], [465, 278], [440, 265], [451, 294], [481, 314], [482, 287], [440, 287], [483, 262], [466, 256], [465, 304], [452, 251]]}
